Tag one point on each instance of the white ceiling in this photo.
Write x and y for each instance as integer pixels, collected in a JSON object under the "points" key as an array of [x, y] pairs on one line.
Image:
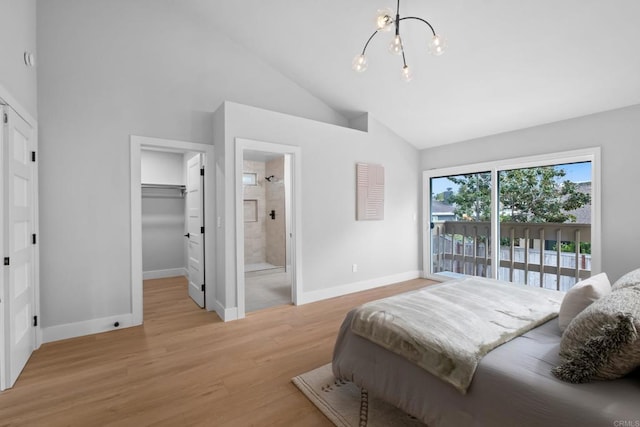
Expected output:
{"points": [[509, 64]]}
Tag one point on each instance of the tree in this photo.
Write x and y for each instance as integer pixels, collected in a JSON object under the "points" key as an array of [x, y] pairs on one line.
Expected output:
{"points": [[526, 195], [473, 198], [539, 195]]}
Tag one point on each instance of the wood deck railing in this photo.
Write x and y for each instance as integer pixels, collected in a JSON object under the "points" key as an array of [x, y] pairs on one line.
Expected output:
{"points": [[465, 247]]}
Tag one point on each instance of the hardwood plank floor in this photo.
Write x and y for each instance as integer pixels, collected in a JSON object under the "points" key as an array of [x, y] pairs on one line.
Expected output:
{"points": [[185, 366]]}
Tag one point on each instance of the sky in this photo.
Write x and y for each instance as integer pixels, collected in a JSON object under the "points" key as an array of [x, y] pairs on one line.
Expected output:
{"points": [[576, 172]]}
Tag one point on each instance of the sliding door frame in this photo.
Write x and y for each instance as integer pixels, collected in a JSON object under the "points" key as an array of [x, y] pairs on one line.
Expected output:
{"points": [[583, 155]]}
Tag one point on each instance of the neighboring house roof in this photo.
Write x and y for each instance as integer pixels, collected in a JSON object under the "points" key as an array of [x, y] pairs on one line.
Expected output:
{"points": [[439, 208], [583, 214]]}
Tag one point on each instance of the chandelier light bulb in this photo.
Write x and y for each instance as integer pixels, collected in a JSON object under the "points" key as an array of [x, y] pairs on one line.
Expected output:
{"points": [[407, 75], [359, 63], [384, 20], [395, 46], [437, 45]]}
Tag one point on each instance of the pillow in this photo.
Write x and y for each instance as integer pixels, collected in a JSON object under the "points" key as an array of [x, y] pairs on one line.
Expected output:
{"points": [[580, 296], [602, 341], [632, 278]]}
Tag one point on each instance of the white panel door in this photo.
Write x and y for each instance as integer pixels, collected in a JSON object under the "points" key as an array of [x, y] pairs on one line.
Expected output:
{"points": [[18, 245], [195, 251]]}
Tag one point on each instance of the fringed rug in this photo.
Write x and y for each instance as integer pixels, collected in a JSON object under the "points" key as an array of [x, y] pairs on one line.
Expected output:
{"points": [[346, 405]]}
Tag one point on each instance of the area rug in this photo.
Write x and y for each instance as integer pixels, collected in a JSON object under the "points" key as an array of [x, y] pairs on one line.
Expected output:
{"points": [[346, 405]]}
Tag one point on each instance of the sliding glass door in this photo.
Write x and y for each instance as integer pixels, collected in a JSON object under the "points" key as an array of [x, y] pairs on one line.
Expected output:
{"points": [[545, 224], [542, 213], [460, 208]]}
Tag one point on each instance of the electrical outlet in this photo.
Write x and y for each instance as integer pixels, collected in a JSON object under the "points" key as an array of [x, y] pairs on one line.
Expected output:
{"points": [[354, 268]]}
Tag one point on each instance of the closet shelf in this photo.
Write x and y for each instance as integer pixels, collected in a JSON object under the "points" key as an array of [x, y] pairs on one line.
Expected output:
{"points": [[163, 190]]}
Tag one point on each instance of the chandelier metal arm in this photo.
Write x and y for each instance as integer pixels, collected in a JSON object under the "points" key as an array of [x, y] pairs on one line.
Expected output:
{"points": [[420, 19], [397, 21], [368, 40]]}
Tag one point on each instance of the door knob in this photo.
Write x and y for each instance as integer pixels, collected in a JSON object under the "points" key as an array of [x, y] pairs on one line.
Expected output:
{"points": [[187, 235]]}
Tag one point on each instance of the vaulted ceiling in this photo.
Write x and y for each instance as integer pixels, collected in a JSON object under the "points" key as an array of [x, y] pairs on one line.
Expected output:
{"points": [[508, 65]]}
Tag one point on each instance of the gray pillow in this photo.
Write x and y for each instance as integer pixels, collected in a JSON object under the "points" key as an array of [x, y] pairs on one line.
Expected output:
{"points": [[602, 342], [630, 279]]}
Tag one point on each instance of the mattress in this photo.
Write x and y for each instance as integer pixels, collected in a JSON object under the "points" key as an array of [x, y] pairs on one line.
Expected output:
{"points": [[512, 385]]}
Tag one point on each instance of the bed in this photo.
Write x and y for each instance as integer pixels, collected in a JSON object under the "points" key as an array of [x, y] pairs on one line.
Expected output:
{"points": [[512, 384]]}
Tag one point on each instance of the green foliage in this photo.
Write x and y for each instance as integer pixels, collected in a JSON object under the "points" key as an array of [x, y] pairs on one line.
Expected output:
{"points": [[473, 199], [537, 195], [585, 247], [526, 195]]}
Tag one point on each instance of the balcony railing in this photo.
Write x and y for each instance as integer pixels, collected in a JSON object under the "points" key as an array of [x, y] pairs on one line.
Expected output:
{"points": [[530, 253]]}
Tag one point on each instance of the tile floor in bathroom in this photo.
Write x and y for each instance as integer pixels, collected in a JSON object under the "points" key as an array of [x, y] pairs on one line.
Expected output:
{"points": [[269, 286]]}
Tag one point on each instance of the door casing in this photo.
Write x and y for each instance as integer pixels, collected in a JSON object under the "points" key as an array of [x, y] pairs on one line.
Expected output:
{"points": [[139, 143], [295, 220]]}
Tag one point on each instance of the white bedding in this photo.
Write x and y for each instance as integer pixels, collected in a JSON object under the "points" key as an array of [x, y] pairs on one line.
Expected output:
{"points": [[513, 386], [448, 328]]}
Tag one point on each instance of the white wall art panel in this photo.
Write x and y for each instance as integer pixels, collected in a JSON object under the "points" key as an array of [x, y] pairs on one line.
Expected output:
{"points": [[370, 191]]}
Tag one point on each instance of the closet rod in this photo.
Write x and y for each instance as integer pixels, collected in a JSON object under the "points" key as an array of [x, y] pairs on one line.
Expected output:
{"points": [[168, 186], [163, 190]]}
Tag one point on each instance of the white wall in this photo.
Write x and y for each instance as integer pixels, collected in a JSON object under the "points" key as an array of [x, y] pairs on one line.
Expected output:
{"points": [[17, 35], [163, 241], [332, 240], [617, 132], [108, 69], [159, 167]]}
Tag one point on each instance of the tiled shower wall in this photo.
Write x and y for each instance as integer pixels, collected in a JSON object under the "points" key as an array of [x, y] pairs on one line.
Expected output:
{"points": [[275, 228], [264, 239], [255, 235]]}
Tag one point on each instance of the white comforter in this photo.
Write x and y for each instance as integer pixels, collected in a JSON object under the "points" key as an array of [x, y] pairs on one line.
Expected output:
{"points": [[447, 328]]}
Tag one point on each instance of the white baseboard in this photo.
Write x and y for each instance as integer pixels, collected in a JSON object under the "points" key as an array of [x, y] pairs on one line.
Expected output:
{"points": [[161, 274], [105, 324], [88, 327], [226, 314], [349, 288]]}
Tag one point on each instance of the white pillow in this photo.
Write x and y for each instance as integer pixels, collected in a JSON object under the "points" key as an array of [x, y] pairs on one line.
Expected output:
{"points": [[581, 295], [630, 279]]}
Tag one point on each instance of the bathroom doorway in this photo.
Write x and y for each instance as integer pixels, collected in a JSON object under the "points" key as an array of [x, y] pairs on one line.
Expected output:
{"points": [[266, 186]]}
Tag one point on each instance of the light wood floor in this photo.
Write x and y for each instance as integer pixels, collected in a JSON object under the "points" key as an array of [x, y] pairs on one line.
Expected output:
{"points": [[184, 366]]}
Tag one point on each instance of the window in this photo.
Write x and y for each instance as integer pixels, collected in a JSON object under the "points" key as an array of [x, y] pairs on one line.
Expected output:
{"points": [[542, 212], [249, 178]]}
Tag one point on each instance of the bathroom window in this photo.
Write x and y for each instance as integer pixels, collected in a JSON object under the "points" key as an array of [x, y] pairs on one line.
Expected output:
{"points": [[249, 178]]}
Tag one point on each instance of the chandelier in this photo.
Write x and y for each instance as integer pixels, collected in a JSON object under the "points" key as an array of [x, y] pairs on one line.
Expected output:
{"points": [[385, 20]]}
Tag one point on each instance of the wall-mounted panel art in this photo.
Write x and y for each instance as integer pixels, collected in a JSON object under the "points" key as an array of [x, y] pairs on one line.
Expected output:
{"points": [[369, 191]]}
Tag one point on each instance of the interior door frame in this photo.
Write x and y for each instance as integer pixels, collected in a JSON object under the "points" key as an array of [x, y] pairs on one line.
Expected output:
{"points": [[243, 145], [7, 99], [139, 143]]}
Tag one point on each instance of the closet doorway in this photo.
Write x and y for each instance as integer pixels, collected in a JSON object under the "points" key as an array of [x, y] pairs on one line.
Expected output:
{"points": [[169, 225]]}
